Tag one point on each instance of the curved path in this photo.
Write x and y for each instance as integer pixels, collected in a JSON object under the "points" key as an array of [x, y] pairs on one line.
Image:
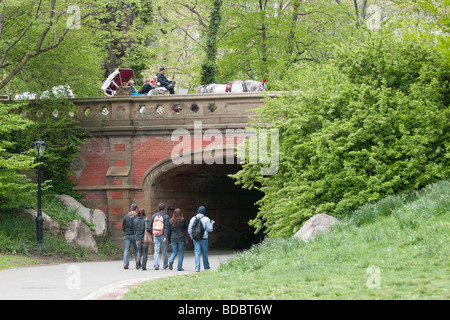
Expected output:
{"points": [[88, 280]]}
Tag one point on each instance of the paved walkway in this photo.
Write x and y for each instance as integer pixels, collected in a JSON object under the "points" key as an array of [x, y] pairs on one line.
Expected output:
{"points": [[88, 280]]}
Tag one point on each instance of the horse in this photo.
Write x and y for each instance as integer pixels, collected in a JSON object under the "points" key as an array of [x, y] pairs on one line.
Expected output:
{"points": [[158, 91], [234, 86]]}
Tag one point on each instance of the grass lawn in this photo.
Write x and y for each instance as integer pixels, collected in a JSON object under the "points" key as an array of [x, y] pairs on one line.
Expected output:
{"points": [[394, 249], [13, 261]]}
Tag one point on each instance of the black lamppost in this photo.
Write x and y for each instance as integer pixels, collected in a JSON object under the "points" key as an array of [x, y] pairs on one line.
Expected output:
{"points": [[40, 147]]}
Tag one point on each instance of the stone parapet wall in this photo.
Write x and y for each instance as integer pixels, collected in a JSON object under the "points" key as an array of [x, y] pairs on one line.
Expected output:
{"points": [[156, 115]]}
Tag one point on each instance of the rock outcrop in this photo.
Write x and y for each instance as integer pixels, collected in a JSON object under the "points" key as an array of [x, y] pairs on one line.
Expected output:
{"points": [[79, 234], [48, 223], [317, 224], [96, 217]]}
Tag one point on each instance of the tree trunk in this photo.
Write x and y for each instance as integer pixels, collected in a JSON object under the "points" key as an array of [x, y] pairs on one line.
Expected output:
{"points": [[209, 70]]}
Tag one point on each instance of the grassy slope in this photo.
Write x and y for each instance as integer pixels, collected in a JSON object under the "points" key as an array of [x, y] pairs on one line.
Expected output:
{"points": [[405, 237]]}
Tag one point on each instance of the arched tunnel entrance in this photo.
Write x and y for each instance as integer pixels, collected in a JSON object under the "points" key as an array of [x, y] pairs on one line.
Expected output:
{"points": [[189, 186]]}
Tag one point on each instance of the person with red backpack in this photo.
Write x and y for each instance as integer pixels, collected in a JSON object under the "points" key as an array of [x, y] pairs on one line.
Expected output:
{"points": [[159, 227], [199, 227]]}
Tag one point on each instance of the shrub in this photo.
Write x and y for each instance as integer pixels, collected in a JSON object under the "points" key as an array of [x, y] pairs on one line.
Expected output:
{"points": [[14, 186], [373, 122]]}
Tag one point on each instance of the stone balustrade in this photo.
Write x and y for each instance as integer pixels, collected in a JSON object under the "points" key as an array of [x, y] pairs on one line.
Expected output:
{"points": [[159, 114]]}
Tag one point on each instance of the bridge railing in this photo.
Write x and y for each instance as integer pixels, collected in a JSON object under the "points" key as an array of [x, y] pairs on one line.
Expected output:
{"points": [[168, 110]]}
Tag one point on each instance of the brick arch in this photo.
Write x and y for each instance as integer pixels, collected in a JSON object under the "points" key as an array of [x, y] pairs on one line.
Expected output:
{"points": [[187, 186], [165, 165]]}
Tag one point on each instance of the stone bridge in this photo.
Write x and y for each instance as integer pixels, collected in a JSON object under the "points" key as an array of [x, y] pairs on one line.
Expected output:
{"points": [[130, 159]]}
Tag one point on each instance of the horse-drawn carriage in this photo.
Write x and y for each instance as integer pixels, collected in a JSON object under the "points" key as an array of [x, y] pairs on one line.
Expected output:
{"points": [[115, 80], [122, 76]]}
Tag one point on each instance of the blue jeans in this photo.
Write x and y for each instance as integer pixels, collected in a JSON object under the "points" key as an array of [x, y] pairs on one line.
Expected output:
{"points": [[177, 246], [160, 245], [201, 246], [129, 239]]}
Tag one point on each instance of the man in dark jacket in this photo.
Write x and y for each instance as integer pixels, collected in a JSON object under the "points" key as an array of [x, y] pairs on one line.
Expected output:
{"points": [[128, 229], [162, 79], [160, 241]]}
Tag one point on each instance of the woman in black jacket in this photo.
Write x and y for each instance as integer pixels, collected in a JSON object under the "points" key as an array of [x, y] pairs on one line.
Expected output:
{"points": [[139, 233]]}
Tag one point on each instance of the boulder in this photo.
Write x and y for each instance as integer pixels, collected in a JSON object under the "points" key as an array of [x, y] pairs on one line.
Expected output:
{"points": [[317, 224], [79, 234], [96, 217], [48, 223]]}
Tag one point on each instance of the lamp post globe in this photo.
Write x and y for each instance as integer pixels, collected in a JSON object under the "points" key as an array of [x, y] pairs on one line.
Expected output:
{"points": [[40, 147]]}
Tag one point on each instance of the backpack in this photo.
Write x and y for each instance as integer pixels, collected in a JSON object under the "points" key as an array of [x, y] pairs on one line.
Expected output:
{"points": [[197, 229], [158, 225]]}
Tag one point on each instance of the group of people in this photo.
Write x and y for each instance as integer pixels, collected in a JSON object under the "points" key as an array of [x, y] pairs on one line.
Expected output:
{"points": [[159, 80], [164, 230]]}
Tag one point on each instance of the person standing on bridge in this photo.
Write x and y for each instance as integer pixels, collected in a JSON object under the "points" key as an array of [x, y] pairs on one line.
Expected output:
{"points": [[159, 226], [201, 242], [129, 239]]}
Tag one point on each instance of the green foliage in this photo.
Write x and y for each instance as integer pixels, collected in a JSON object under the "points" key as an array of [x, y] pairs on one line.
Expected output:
{"points": [[432, 24], [263, 39], [209, 71], [126, 30], [70, 63], [373, 122], [40, 48], [17, 235], [256, 39], [51, 120], [14, 186]]}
